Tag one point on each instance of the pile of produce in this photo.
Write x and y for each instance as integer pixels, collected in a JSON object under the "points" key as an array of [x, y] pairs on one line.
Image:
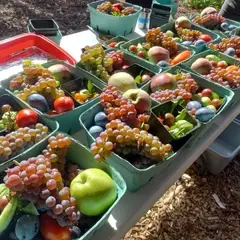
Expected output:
{"points": [[123, 128], [116, 43], [159, 48], [20, 131], [100, 63], [115, 9], [210, 19], [187, 36], [86, 94], [201, 103], [217, 70], [40, 87], [44, 196], [177, 126], [228, 46]]}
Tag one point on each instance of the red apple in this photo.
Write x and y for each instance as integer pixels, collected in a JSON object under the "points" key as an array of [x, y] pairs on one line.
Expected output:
{"points": [[133, 48], [140, 99], [207, 92], [63, 104], [141, 54]]}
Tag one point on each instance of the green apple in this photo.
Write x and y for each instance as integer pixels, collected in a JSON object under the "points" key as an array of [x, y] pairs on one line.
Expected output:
{"points": [[94, 191], [206, 101]]}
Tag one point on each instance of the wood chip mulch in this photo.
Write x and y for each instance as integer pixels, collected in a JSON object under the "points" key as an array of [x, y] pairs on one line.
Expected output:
{"points": [[197, 207]]}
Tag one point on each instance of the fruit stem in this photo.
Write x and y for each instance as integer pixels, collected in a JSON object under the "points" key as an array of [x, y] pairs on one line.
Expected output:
{"points": [[16, 162]]}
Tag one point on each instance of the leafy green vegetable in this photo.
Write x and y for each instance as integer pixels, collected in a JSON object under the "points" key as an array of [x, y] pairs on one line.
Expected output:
{"points": [[139, 77], [175, 103], [181, 115], [90, 87], [27, 207], [180, 128]]}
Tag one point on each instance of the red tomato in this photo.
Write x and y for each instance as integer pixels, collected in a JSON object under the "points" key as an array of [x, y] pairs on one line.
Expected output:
{"points": [[51, 230], [112, 44], [206, 38], [115, 9], [63, 104], [26, 117], [118, 5]]}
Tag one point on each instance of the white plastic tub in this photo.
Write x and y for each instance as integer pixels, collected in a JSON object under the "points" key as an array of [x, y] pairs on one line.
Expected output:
{"points": [[224, 149]]}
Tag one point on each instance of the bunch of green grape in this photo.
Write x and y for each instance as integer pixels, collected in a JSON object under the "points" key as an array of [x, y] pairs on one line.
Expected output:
{"points": [[95, 61], [35, 79]]}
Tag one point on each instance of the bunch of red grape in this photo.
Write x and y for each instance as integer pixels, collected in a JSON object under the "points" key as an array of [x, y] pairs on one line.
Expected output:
{"points": [[17, 141], [118, 107], [99, 63], [35, 79], [155, 37], [233, 42], [186, 86], [36, 180], [209, 20], [228, 77], [188, 34], [125, 140]]}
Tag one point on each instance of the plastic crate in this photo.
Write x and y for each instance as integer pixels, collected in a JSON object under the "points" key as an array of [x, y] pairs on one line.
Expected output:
{"points": [[144, 62], [68, 121], [229, 60], [14, 45], [134, 177], [224, 149], [214, 36], [51, 124], [112, 24], [168, 3]]}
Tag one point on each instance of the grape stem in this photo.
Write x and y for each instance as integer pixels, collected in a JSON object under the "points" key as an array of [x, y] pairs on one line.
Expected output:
{"points": [[16, 162]]}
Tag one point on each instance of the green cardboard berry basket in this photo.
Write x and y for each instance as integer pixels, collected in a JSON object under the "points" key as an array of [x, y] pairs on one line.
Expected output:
{"points": [[220, 33], [229, 60], [144, 62], [166, 107], [214, 36], [79, 154], [119, 39], [129, 60], [51, 124], [68, 121], [134, 177], [110, 24]]}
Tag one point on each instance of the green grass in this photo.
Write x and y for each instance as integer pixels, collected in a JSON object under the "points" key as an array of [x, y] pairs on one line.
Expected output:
{"points": [[201, 4]]}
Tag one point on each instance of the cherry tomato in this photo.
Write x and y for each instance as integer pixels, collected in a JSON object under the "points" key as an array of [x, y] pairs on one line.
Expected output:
{"points": [[118, 5], [26, 117], [51, 230], [63, 104], [115, 9], [112, 44], [206, 38]]}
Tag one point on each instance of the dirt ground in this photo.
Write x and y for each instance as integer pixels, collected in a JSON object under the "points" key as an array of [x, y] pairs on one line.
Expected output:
{"points": [[72, 16], [188, 211]]}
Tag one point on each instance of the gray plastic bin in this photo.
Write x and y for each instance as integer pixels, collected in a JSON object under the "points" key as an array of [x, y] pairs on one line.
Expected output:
{"points": [[224, 149]]}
